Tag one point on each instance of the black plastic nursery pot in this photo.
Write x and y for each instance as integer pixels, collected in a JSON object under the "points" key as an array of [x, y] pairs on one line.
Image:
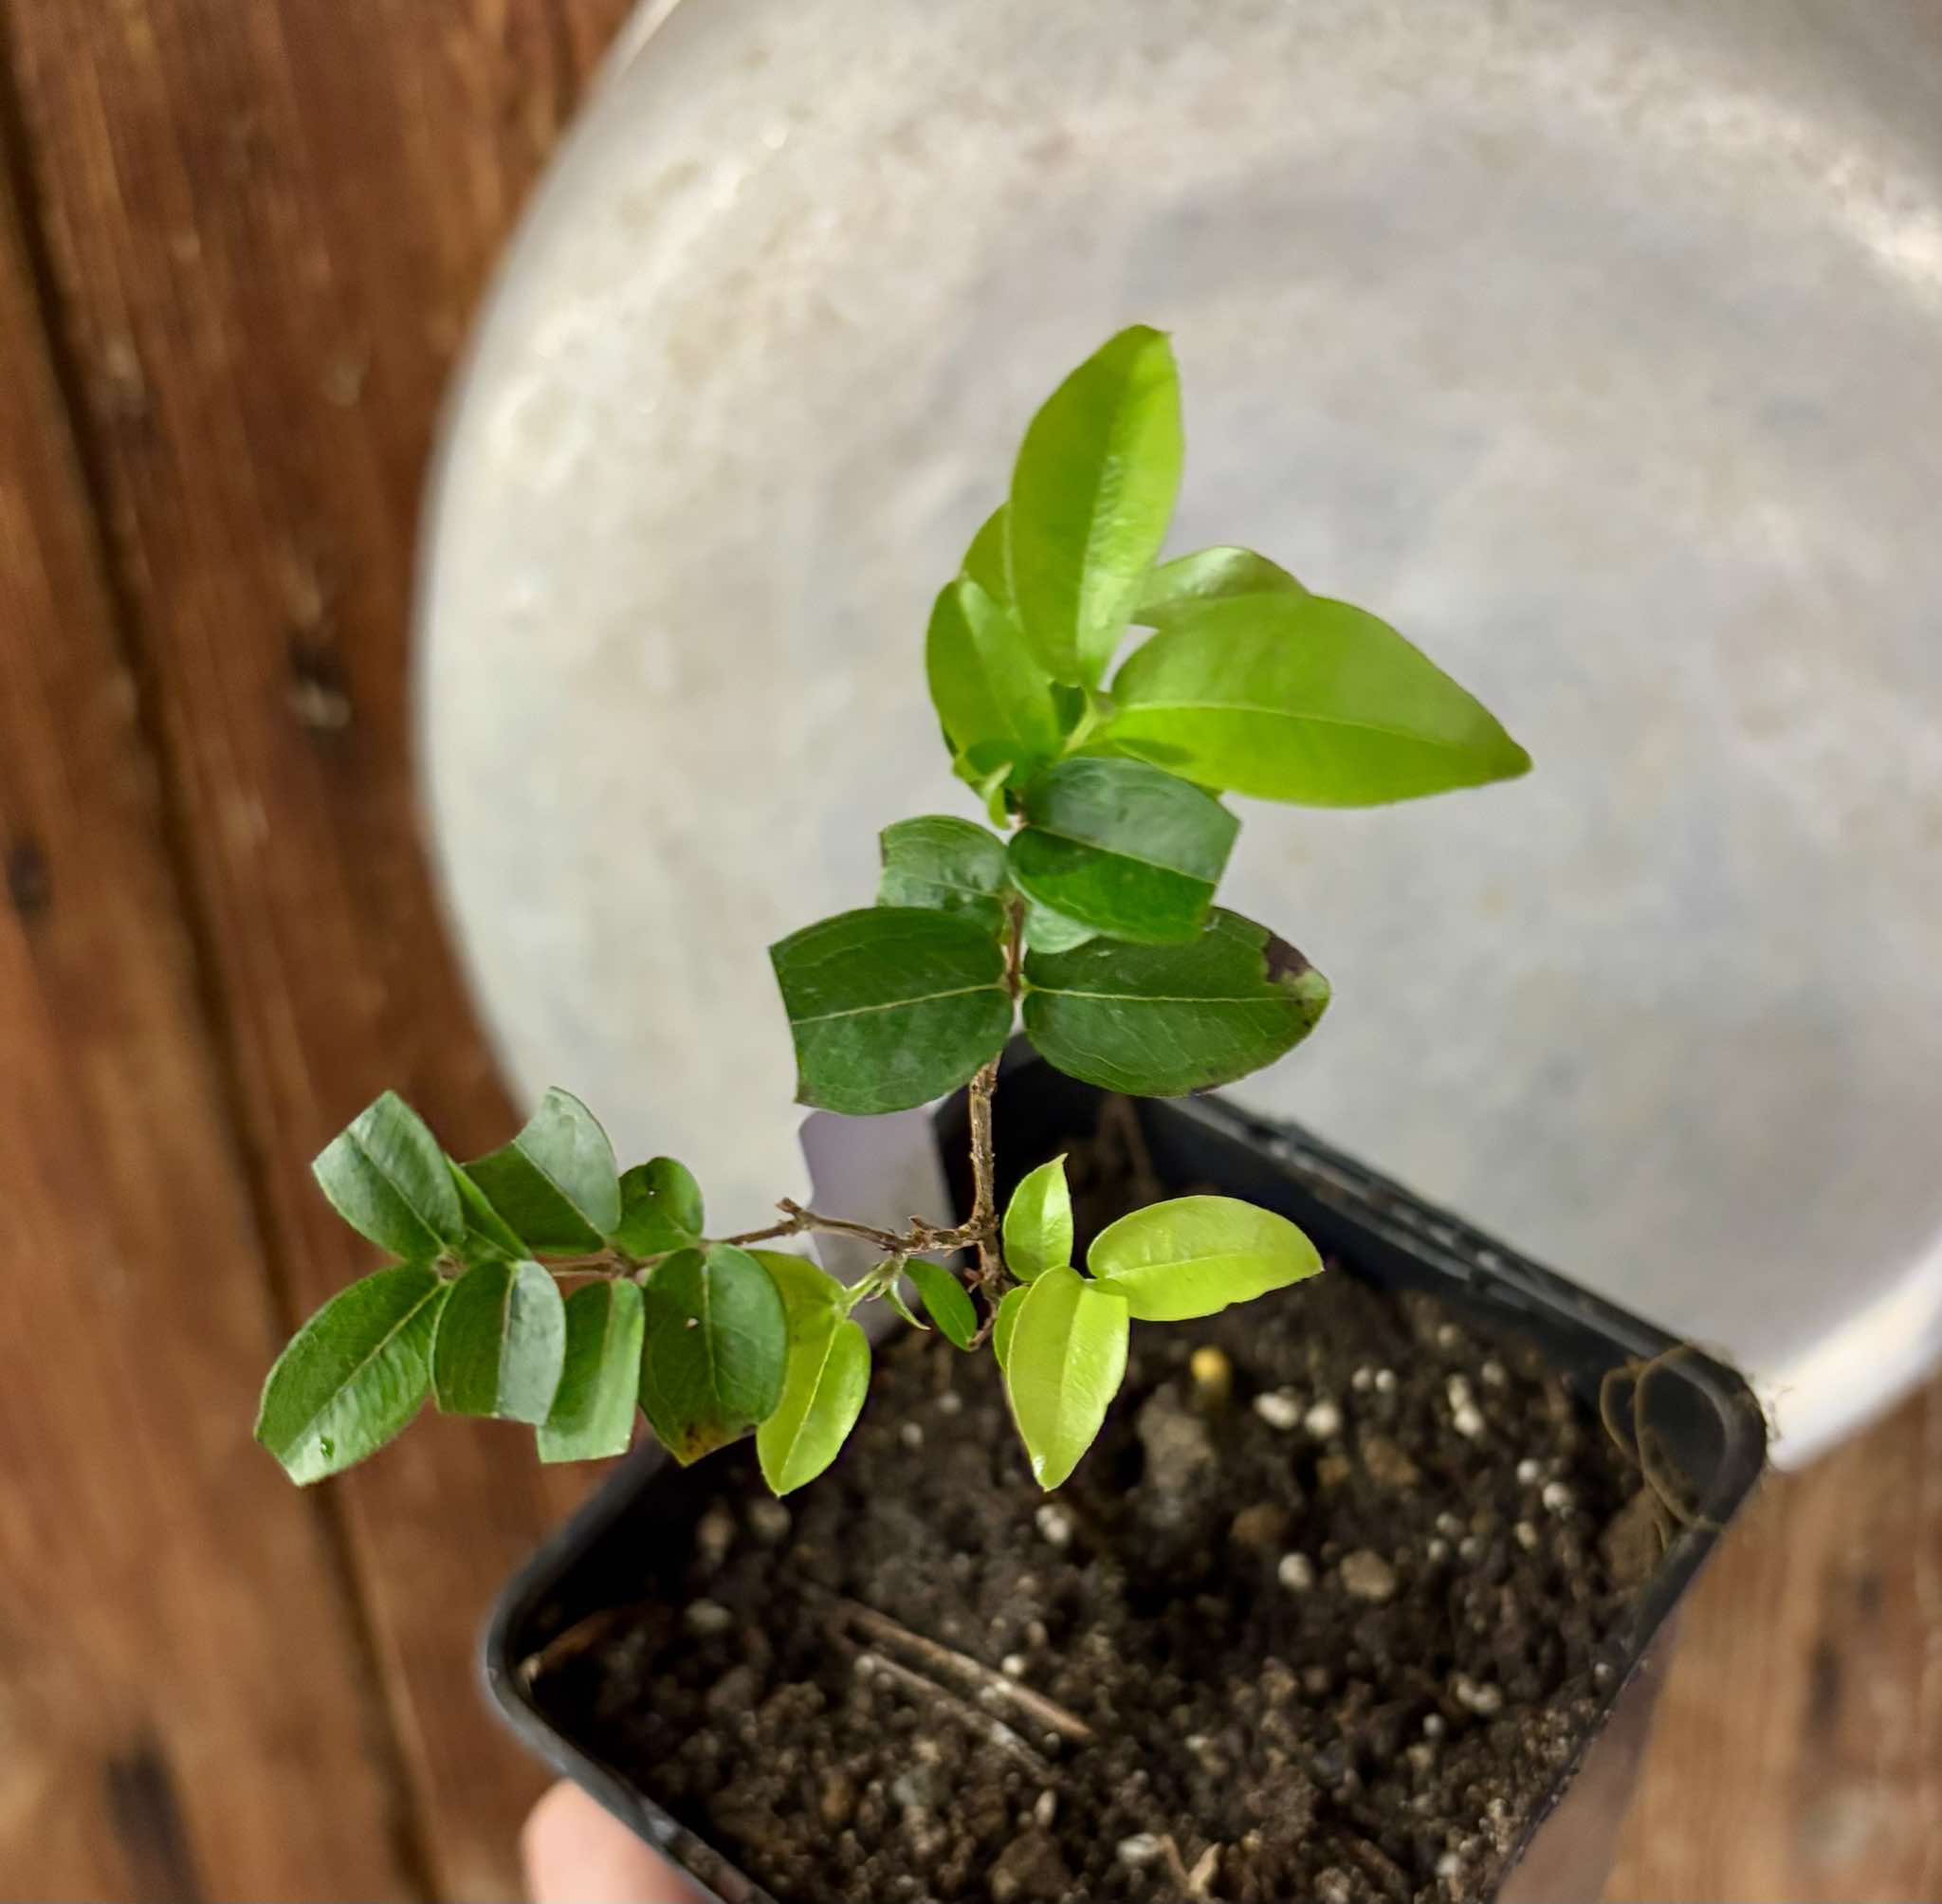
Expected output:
{"points": [[1702, 1433]]}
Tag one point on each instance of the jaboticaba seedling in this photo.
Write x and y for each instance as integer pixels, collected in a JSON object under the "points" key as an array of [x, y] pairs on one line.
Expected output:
{"points": [[1086, 914]]}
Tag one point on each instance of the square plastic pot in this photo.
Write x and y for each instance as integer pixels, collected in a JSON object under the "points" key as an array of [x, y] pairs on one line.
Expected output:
{"points": [[1704, 1422]]}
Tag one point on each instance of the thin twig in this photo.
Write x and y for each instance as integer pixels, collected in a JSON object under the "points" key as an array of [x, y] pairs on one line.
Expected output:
{"points": [[980, 1724], [990, 1686]]}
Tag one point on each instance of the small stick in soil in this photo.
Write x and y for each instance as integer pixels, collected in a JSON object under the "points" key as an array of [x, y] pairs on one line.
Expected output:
{"points": [[980, 1725], [990, 1686]]}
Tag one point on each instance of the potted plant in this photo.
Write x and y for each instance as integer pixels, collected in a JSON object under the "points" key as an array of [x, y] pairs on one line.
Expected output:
{"points": [[1348, 1580]]}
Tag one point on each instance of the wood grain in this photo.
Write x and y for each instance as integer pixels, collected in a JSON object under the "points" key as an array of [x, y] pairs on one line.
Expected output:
{"points": [[267, 225], [1798, 1745], [180, 1675]]}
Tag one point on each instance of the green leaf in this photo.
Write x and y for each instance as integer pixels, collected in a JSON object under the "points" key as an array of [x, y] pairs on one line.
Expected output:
{"points": [[802, 1284], [1091, 495], [387, 1178], [1162, 1020], [488, 1233], [1038, 1223], [1064, 1364], [1123, 848], [890, 1006], [1005, 1322], [825, 1380], [353, 1375], [945, 1301], [1209, 575], [716, 1349], [500, 1344], [894, 1296], [984, 561], [599, 1383], [946, 864], [555, 1183], [1050, 931], [1293, 698], [987, 685], [660, 1209], [987, 781], [1195, 1255]]}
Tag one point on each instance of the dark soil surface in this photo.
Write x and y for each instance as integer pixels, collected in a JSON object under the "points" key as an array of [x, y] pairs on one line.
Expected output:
{"points": [[1331, 1637]]}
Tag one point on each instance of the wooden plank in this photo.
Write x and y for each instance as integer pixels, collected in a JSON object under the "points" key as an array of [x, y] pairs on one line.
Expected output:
{"points": [[1798, 1750], [268, 225], [181, 1675]]}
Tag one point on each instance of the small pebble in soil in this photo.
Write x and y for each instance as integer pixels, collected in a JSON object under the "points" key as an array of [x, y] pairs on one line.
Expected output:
{"points": [[1137, 1851], [1332, 1886], [1388, 1465], [1212, 1375], [1046, 1810], [768, 1520], [951, 1403], [1368, 1576], [1258, 1528], [1449, 1867], [1317, 1681], [1447, 1336], [1493, 1375], [1361, 1379], [1013, 1665], [1278, 1409], [910, 1434], [1056, 1524], [1468, 1421], [1296, 1572], [1437, 1547], [1478, 1697], [706, 1617], [1386, 1381], [1322, 1419], [1526, 1536], [1448, 1524], [1557, 1497], [1529, 1472], [1433, 1724], [714, 1534]]}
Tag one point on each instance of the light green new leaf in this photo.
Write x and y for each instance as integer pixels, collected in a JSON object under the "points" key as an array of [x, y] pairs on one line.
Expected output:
{"points": [[824, 1383], [987, 778], [386, 1176], [555, 1183], [1123, 848], [488, 1233], [716, 1351], [1162, 1020], [1005, 1322], [599, 1383], [1301, 699], [1091, 496], [945, 1301], [1038, 1223], [991, 692], [1050, 931], [500, 1344], [890, 1006], [1195, 1255], [660, 1209], [353, 1375], [984, 561], [1209, 575], [894, 1296], [1064, 1364], [947, 863]]}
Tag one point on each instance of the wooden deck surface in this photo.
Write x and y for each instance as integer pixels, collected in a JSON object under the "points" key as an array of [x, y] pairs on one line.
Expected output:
{"points": [[240, 240]]}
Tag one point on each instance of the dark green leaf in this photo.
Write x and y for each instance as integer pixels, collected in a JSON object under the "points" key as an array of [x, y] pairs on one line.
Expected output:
{"points": [[555, 1183], [1209, 575], [1298, 698], [989, 689], [716, 1352], [945, 1301], [1194, 1255], [488, 1233], [1160, 1020], [386, 1177], [946, 864], [1038, 1223], [1005, 1322], [500, 1344], [1123, 848], [1050, 931], [353, 1375], [824, 1382], [984, 561], [599, 1384], [660, 1209], [890, 1006], [1064, 1364], [1091, 496]]}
